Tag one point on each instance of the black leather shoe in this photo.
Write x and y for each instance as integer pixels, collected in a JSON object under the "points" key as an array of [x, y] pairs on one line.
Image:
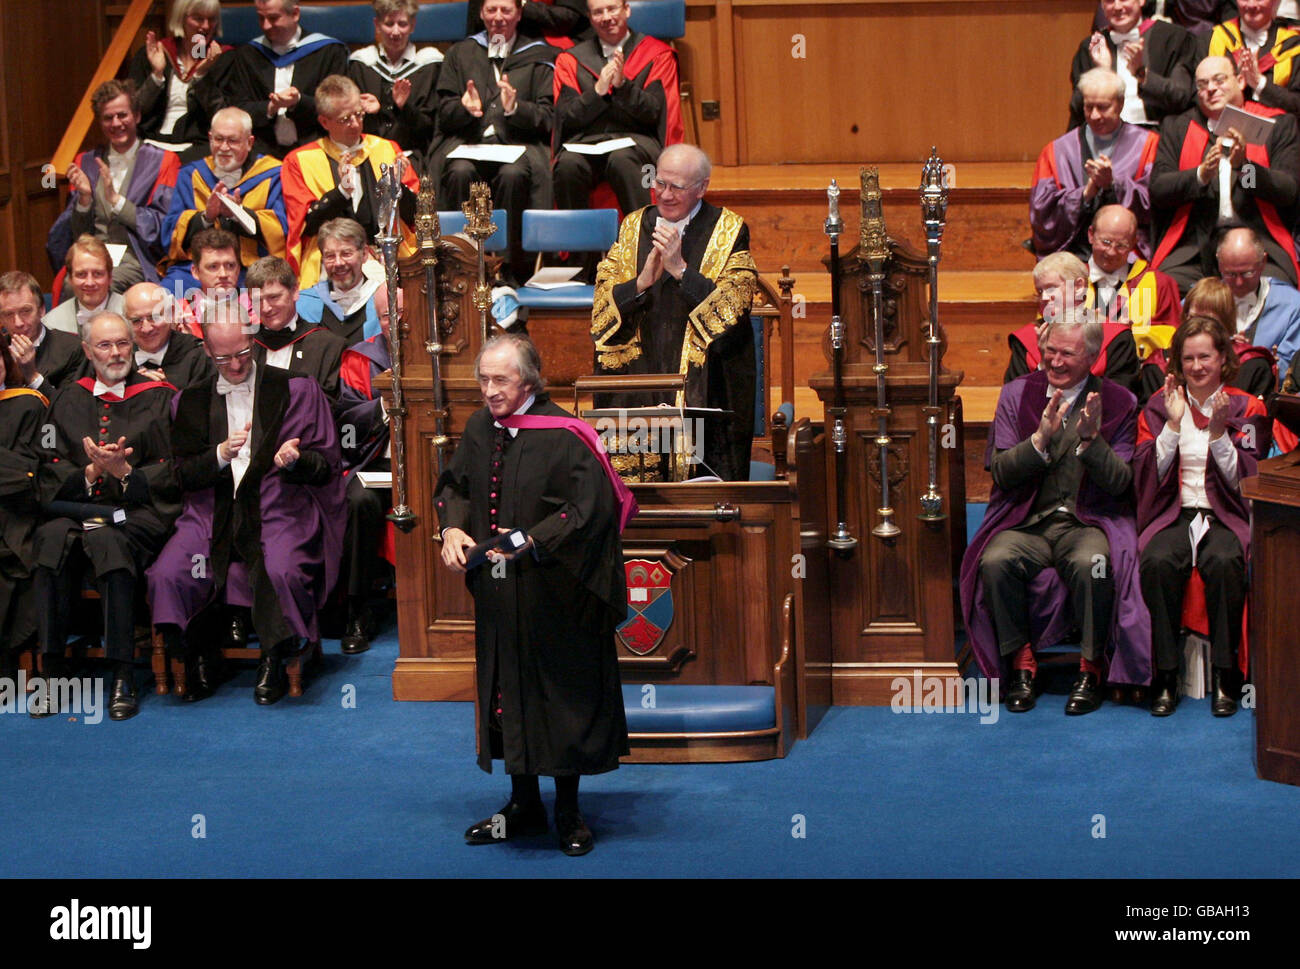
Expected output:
{"points": [[238, 630], [515, 820], [354, 639], [1223, 701], [271, 680], [575, 837], [1165, 700], [1085, 695], [199, 681], [44, 705], [1021, 696], [123, 703]]}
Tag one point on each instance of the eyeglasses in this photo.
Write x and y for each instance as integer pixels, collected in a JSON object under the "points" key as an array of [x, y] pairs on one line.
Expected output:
{"points": [[219, 141], [108, 346], [1117, 244], [1217, 81], [1245, 276], [663, 186], [227, 358], [356, 116]]}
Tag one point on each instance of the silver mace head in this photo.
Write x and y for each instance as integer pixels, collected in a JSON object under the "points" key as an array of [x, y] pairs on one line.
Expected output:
{"points": [[834, 224], [934, 198]]}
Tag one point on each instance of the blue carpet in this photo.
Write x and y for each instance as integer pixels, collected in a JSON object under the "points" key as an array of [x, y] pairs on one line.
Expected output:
{"points": [[312, 788]]}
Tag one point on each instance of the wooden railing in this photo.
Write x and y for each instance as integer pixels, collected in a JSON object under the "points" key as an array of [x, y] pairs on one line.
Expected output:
{"points": [[117, 52]]}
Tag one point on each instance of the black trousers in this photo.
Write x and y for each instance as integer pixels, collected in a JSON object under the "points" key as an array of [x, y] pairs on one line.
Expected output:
{"points": [[366, 510], [1081, 556], [512, 187], [629, 172], [1165, 566], [57, 596]]}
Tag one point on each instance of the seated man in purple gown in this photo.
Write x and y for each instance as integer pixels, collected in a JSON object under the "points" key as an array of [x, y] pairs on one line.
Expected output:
{"points": [[257, 455], [1058, 545]]}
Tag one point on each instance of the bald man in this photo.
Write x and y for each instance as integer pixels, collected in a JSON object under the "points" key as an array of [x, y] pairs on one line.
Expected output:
{"points": [[162, 352], [1188, 198], [680, 260], [1268, 312]]}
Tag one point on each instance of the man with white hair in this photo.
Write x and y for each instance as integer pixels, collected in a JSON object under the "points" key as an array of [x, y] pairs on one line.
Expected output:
{"points": [[673, 296], [1060, 448], [1066, 295], [1107, 161], [108, 451], [233, 189]]}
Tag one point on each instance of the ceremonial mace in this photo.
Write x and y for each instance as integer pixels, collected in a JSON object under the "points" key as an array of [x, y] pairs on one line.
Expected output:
{"points": [[934, 211], [875, 251], [389, 193], [427, 231], [840, 540], [479, 227]]}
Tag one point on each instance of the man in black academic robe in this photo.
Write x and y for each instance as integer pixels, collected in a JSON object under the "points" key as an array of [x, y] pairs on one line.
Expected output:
{"points": [[673, 296], [617, 84], [274, 78], [551, 20], [283, 340], [45, 359], [22, 412], [1185, 198], [1164, 65], [475, 107], [109, 448], [162, 352], [549, 697], [413, 71]]}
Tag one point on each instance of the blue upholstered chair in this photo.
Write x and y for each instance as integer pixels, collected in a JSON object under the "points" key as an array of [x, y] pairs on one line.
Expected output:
{"points": [[453, 222], [354, 24], [576, 230]]}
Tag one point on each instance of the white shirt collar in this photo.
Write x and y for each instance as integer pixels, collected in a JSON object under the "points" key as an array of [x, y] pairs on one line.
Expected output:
{"points": [[84, 313], [1251, 305], [1208, 407], [1070, 393], [407, 55], [102, 388], [143, 355], [225, 387], [523, 408], [123, 157], [293, 42], [681, 224], [1254, 38], [1119, 40], [1098, 275], [607, 50], [344, 149]]}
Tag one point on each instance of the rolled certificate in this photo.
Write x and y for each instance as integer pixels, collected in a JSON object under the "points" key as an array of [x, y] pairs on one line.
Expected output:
{"points": [[1225, 183]]}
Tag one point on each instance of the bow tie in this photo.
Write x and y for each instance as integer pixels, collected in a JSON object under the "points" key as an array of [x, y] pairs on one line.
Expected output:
{"points": [[225, 387], [276, 339], [1119, 40], [115, 391], [1110, 280]]}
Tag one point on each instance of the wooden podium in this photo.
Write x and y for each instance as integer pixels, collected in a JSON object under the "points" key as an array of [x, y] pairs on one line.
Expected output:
{"points": [[894, 600], [1275, 662]]}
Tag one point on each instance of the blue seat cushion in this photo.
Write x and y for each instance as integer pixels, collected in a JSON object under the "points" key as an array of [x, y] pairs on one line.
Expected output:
{"points": [[568, 298], [452, 221], [679, 708]]}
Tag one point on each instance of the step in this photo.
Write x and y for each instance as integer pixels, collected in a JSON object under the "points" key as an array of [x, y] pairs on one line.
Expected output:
{"points": [[786, 208]]}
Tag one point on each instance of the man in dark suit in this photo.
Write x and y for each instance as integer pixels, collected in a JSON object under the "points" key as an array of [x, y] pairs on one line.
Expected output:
{"points": [[46, 359]]}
